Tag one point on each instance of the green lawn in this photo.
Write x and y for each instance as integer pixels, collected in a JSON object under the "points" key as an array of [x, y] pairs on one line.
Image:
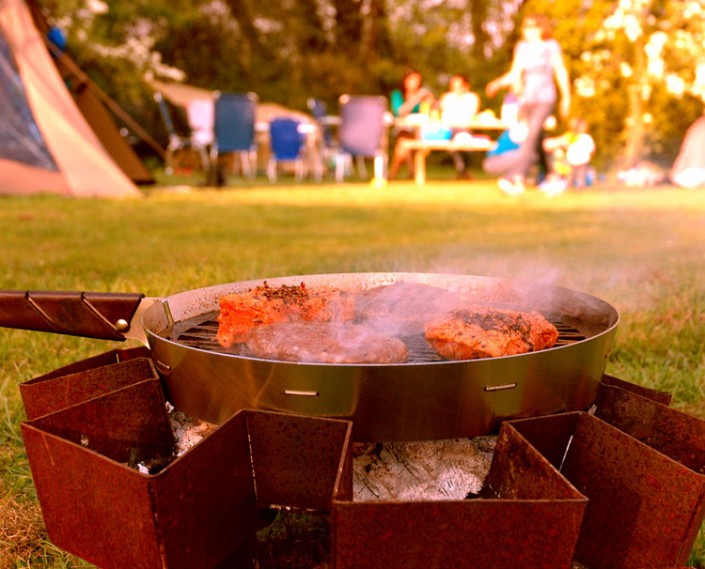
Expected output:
{"points": [[641, 250]]}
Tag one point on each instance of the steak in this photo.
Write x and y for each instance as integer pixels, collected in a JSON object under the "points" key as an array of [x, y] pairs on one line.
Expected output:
{"points": [[325, 342], [482, 332], [240, 312]]}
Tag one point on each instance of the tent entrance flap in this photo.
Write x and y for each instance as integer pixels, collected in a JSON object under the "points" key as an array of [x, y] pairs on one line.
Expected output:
{"points": [[20, 139]]}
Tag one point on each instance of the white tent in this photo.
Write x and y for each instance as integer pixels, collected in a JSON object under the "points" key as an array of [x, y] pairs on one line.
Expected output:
{"points": [[46, 145]]}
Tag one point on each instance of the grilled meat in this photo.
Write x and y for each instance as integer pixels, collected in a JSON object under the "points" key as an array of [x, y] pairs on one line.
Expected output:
{"points": [[482, 332], [325, 342], [240, 312]]}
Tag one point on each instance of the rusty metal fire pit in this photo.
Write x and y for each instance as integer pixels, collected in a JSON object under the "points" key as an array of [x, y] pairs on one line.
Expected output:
{"points": [[196, 511], [624, 488]]}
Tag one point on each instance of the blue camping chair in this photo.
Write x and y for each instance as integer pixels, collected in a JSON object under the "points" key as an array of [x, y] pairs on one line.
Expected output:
{"points": [[234, 131], [286, 143], [362, 134], [178, 142]]}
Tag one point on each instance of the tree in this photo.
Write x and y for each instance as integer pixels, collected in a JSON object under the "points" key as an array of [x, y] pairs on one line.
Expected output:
{"points": [[635, 64], [634, 74]]}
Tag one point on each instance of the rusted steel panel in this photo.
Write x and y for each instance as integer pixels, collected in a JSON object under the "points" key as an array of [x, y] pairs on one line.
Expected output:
{"points": [[676, 434], [528, 515], [205, 501], [85, 380], [642, 504], [93, 504], [296, 460], [654, 394]]}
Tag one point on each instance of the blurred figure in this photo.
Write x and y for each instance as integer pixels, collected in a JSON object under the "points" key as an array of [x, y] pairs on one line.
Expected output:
{"points": [[410, 99], [570, 157], [458, 107], [509, 151], [537, 69]]}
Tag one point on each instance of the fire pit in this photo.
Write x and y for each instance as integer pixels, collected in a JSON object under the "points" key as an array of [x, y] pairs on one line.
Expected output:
{"points": [[568, 501], [577, 487]]}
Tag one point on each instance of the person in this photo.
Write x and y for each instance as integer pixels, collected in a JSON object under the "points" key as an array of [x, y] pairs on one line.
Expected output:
{"points": [[458, 106], [570, 154], [536, 76], [413, 97], [508, 150]]}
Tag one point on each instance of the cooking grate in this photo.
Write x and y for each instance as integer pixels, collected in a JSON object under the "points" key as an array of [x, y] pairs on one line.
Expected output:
{"points": [[200, 333]]}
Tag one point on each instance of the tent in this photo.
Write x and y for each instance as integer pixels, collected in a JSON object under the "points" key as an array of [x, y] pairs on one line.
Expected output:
{"points": [[688, 170], [46, 143]]}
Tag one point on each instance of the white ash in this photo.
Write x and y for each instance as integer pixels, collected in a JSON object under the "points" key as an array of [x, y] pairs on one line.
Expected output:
{"points": [[430, 470], [187, 430]]}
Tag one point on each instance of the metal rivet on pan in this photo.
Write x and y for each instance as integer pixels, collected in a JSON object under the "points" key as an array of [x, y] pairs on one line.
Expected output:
{"points": [[301, 393], [500, 387], [122, 325], [162, 367]]}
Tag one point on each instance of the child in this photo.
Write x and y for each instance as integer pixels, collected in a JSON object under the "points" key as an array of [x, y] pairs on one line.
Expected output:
{"points": [[571, 155]]}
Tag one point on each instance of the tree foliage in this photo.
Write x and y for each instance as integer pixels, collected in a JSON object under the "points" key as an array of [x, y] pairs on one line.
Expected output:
{"points": [[635, 64]]}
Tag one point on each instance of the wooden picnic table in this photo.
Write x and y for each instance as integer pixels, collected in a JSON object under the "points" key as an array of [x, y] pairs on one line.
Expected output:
{"points": [[465, 141], [424, 147]]}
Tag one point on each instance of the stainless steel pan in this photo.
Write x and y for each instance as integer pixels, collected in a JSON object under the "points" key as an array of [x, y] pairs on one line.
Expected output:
{"points": [[425, 398]]}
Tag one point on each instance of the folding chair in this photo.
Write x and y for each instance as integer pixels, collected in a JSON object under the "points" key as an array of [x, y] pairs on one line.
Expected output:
{"points": [[178, 141], [234, 131], [286, 145], [362, 134]]}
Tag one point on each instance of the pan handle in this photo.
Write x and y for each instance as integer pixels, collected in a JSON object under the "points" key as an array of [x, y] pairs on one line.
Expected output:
{"points": [[101, 315]]}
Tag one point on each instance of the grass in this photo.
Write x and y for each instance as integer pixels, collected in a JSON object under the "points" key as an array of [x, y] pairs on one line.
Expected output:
{"points": [[642, 250]]}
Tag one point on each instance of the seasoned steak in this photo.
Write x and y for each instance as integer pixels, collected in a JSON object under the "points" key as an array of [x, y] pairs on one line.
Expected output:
{"points": [[325, 342], [402, 308], [240, 312], [482, 332]]}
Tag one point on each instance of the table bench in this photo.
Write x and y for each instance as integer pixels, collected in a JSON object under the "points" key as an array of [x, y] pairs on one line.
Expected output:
{"points": [[423, 148]]}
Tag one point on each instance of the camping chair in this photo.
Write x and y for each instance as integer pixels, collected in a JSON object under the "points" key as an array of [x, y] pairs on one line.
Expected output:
{"points": [[362, 134], [234, 131], [286, 145], [177, 141]]}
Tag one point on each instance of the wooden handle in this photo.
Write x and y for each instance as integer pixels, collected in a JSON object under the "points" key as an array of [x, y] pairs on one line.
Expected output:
{"points": [[101, 315]]}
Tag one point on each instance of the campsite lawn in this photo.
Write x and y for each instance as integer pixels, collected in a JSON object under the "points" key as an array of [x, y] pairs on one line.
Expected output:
{"points": [[643, 251]]}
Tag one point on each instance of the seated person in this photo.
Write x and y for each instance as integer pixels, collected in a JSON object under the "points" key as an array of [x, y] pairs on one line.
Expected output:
{"points": [[570, 155], [413, 96], [458, 106]]}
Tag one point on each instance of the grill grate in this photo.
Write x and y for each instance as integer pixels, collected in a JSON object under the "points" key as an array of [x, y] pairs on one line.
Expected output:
{"points": [[201, 335]]}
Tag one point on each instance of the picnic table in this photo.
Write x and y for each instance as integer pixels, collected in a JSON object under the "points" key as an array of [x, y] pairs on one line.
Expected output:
{"points": [[462, 142], [424, 147]]}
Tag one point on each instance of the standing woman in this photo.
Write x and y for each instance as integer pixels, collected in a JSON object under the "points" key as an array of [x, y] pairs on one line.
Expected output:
{"points": [[537, 69]]}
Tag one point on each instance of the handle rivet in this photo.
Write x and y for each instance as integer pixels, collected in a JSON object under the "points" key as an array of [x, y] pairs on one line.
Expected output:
{"points": [[122, 325]]}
